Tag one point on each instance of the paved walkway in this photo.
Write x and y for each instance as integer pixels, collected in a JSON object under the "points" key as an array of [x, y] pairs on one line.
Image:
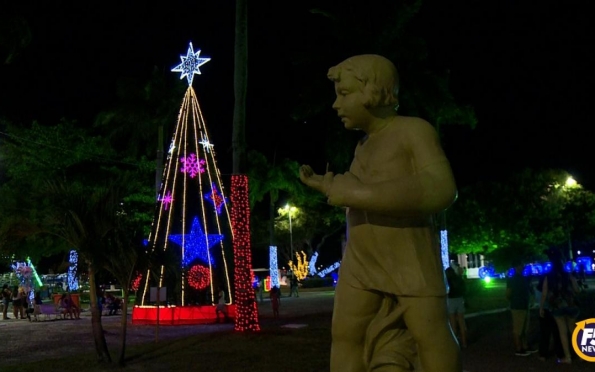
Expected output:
{"points": [[490, 344]]}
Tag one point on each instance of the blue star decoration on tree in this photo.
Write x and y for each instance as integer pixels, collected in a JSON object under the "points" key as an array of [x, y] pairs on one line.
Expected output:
{"points": [[196, 244], [216, 198], [190, 64]]}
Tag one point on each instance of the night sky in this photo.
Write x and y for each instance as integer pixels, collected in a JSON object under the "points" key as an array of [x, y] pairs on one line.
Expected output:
{"points": [[526, 69]]}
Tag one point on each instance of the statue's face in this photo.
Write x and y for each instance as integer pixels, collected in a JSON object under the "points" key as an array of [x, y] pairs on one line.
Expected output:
{"points": [[349, 103]]}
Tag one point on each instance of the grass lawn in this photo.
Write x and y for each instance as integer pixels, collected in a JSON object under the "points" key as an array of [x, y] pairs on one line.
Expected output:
{"points": [[482, 296]]}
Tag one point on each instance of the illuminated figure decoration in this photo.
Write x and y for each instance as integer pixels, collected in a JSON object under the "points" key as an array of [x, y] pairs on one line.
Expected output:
{"points": [[73, 282], [24, 274], [166, 200], [192, 238], [190, 65], [196, 244], [216, 198], [301, 269]]}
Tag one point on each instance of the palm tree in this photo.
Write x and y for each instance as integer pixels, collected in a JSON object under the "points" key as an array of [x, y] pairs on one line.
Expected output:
{"points": [[121, 255], [84, 217], [246, 314]]}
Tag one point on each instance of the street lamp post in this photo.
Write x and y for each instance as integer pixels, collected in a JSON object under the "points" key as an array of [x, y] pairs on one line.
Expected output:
{"points": [[290, 236], [289, 211], [570, 184]]}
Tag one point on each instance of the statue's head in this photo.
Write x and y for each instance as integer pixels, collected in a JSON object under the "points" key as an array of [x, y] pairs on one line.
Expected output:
{"points": [[378, 75]]}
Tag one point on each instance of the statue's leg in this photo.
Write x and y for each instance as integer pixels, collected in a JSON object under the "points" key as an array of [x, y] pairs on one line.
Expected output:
{"points": [[353, 311], [389, 345], [427, 320]]}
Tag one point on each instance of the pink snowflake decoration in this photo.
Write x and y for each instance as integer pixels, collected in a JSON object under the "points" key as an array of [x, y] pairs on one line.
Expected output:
{"points": [[192, 165], [167, 200]]}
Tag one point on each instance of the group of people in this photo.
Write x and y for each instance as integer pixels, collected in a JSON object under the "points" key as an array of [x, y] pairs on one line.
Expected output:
{"points": [[19, 300], [22, 306], [109, 302], [556, 295], [68, 307]]}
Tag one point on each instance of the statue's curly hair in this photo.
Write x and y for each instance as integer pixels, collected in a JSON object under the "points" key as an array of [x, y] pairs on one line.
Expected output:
{"points": [[378, 75]]}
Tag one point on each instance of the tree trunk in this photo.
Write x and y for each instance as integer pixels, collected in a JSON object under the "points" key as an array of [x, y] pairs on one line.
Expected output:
{"points": [[240, 79], [273, 197], [98, 335], [124, 326]]}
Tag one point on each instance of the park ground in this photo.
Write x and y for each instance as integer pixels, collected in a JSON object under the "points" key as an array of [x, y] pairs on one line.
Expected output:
{"points": [[298, 341]]}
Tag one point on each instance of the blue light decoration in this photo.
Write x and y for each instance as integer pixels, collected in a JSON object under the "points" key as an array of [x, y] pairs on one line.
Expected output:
{"points": [[547, 267], [73, 282], [487, 272], [335, 276], [190, 64], [196, 244], [329, 269], [444, 249], [587, 261], [312, 263], [536, 269], [216, 198], [274, 266]]}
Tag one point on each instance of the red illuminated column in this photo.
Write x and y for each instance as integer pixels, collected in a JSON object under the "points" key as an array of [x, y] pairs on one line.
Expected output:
{"points": [[246, 311]]}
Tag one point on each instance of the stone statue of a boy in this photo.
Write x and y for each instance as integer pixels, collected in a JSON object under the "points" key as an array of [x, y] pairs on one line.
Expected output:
{"points": [[390, 300]]}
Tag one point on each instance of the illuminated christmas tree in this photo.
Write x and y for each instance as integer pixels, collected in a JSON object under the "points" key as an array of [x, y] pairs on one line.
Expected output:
{"points": [[192, 221]]}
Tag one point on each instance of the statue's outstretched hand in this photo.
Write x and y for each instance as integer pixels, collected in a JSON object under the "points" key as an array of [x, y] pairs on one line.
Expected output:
{"points": [[316, 181]]}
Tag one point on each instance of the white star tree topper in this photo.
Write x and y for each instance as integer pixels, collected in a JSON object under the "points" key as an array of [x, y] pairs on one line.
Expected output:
{"points": [[190, 64]]}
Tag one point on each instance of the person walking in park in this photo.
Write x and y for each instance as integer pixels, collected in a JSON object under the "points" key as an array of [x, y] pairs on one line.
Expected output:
{"points": [[294, 286], [456, 305], [221, 308], [559, 293], [6, 298], [548, 330], [519, 293], [275, 297]]}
